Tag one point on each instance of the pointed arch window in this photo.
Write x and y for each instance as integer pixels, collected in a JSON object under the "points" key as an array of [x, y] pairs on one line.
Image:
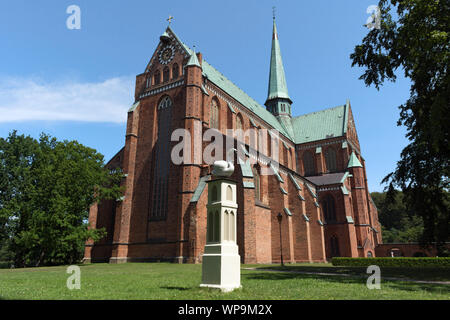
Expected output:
{"points": [[157, 78], [175, 71], [214, 116], [239, 122], [329, 209], [257, 182], [162, 161], [334, 247], [330, 159], [166, 74], [308, 164]]}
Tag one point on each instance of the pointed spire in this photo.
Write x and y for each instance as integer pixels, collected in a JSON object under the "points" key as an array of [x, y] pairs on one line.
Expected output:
{"points": [[193, 60], [277, 79], [353, 161]]}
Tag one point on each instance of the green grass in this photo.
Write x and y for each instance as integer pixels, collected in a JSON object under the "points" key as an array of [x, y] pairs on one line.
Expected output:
{"points": [[175, 281]]}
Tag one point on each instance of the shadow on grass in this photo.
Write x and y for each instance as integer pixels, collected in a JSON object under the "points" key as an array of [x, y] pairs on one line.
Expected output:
{"points": [[354, 279], [176, 288], [423, 274]]}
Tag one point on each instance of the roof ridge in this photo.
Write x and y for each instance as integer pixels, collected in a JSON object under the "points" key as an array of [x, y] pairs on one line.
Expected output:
{"points": [[315, 112]]}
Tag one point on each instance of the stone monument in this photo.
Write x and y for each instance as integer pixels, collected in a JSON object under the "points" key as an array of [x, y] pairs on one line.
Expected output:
{"points": [[221, 261]]}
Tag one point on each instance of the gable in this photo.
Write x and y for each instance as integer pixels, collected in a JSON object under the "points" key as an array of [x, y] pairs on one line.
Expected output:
{"points": [[180, 50], [352, 135]]}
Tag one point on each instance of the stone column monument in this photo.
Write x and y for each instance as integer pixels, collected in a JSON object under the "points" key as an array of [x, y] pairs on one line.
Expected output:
{"points": [[221, 261]]}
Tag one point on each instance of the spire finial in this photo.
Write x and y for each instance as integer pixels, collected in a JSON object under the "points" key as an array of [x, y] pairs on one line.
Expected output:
{"points": [[169, 19], [274, 9]]}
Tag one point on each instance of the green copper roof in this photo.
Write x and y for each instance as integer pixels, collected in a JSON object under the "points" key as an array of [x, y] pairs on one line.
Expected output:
{"points": [[277, 79], [320, 125], [353, 161], [246, 169], [248, 185], [199, 190], [294, 181], [134, 106], [236, 93], [193, 60], [287, 211]]}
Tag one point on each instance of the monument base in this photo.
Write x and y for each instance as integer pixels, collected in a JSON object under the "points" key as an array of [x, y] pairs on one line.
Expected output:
{"points": [[221, 267]]}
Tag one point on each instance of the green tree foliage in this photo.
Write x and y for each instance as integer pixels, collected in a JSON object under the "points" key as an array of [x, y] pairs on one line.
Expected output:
{"points": [[399, 225], [46, 189], [416, 39]]}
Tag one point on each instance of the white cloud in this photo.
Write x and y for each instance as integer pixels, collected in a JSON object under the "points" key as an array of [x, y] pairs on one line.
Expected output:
{"points": [[27, 99]]}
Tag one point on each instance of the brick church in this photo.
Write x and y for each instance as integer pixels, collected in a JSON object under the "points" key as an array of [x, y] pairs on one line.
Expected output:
{"points": [[316, 205]]}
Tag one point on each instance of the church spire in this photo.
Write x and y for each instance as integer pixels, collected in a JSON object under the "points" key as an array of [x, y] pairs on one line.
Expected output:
{"points": [[278, 101], [277, 80]]}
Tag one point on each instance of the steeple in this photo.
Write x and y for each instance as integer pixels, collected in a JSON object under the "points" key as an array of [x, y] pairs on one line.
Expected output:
{"points": [[278, 101], [277, 79]]}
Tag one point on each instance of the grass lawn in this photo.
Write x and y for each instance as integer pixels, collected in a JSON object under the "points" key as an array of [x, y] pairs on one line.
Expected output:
{"points": [[175, 281]]}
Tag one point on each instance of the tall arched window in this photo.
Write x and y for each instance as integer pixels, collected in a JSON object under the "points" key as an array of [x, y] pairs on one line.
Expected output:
{"points": [[334, 246], [214, 116], [166, 74], [257, 182], [162, 160], [175, 71], [330, 159], [157, 78], [308, 164], [148, 81], [239, 122], [328, 209]]}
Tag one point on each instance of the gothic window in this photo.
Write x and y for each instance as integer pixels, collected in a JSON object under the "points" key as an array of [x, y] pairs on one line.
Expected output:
{"points": [[283, 108], [214, 116], [148, 82], [328, 209], [257, 182], [226, 226], [308, 164], [239, 122], [157, 78], [334, 246], [162, 163], [232, 225], [229, 193], [330, 159], [175, 71], [166, 74]]}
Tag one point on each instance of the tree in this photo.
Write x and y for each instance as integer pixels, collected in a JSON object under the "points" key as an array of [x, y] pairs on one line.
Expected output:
{"points": [[399, 225], [416, 39], [46, 189]]}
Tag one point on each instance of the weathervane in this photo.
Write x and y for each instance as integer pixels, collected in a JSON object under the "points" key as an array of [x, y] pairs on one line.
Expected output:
{"points": [[170, 19]]}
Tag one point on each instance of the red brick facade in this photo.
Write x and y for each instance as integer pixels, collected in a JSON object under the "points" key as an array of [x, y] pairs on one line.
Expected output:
{"points": [[134, 234]]}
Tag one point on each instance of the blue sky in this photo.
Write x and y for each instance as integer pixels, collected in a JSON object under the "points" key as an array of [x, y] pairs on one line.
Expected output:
{"points": [[78, 84]]}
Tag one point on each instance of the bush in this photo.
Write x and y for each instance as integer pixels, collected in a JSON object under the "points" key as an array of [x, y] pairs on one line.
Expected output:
{"points": [[418, 262]]}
